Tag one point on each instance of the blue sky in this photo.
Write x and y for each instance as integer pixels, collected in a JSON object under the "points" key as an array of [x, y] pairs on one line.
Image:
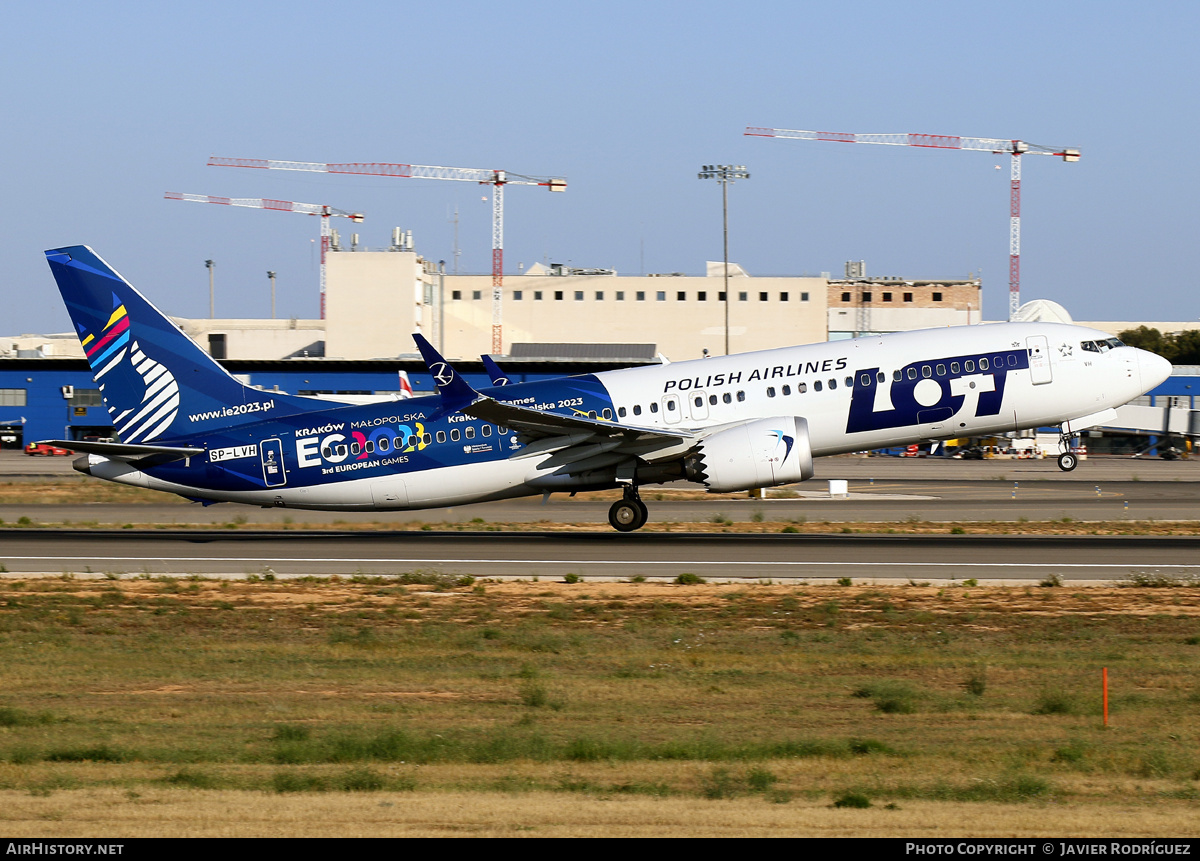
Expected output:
{"points": [[108, 105]]}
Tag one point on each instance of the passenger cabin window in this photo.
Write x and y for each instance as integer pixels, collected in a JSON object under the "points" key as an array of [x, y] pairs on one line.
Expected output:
{"points": [[955, 367], [865, 379], [832, 385], [712, 400], [816, 385], [941, 370], [770, 391], [621, 412], [741, 396], [727, 398], [384, 444], [897, 376], [970, 366], [801, 388], [912, 373], [470, 432], [454, 435], [983, 364], [441, 436], [653, 406], [637, 409], [486, 430], [787, 390]]}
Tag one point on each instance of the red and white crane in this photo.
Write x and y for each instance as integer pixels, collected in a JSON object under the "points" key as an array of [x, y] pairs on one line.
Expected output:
{"points": [[1015, 148], [497, 179], [325, 212]]}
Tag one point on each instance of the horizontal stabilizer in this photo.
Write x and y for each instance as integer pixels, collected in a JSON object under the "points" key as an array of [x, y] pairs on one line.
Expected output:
{"points": [[136, 455]]}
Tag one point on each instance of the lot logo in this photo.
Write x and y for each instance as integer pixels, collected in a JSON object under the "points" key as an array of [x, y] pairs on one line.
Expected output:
{"points": [[932, 391]]}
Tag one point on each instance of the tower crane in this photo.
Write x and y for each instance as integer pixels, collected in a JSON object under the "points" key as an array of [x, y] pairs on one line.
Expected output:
{"points": [[325, 212], [497, 179], [1015, 148]]}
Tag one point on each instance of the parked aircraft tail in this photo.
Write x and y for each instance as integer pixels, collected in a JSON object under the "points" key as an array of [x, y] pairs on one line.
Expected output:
{"points": [[156, 382]]}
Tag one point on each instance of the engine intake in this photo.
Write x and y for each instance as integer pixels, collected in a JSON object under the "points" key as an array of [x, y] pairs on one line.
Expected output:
{"points": [[762, 453]]}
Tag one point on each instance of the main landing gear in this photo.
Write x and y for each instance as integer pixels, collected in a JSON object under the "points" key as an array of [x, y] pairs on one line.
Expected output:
{"points": [[629, 513]]}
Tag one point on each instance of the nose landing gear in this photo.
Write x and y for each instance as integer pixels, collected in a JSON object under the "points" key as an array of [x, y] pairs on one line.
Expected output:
{"points": [[1068, 460], [629, 513]]}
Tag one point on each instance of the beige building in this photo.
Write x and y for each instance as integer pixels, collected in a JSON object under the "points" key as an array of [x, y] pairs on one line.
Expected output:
{"points": [[374, 300], [879, 305]]}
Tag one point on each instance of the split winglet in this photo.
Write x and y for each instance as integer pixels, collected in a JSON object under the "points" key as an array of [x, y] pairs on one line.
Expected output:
{"points": [[498, 377], [456, 391]]}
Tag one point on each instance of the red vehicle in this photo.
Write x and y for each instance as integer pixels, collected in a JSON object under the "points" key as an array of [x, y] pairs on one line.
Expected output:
{"points": [[48, 450]]}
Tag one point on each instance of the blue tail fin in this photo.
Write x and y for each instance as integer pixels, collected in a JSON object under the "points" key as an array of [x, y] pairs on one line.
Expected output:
{"points": [[156, 382]]}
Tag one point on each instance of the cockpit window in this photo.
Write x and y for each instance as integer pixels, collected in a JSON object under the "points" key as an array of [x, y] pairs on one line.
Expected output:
{"points": [[1101, 346]]}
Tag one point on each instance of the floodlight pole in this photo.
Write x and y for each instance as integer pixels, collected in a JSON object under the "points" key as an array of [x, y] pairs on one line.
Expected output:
{"points": [[724, 174], [271, 275], [212, 303]]}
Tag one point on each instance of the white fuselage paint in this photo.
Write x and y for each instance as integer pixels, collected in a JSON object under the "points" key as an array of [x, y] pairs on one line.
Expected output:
{"points": [[1076, 384]]}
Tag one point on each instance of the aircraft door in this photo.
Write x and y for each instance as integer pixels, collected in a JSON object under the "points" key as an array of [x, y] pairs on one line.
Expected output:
{"points": [[1039, 359], [672, 408], [274, 472], [697, 405]]}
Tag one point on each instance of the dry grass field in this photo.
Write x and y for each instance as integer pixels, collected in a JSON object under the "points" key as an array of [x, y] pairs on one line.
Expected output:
{"points": [[420, 705]]}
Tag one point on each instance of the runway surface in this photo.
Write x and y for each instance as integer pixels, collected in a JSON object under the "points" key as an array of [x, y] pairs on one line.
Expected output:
{"points": [[601, 555]]}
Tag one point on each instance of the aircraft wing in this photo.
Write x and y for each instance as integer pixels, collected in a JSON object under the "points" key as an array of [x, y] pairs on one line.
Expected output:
{"points": [[536, 424], [574, 438]]}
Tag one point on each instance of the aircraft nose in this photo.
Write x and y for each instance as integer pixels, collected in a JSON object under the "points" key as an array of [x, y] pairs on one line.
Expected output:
{"points": [[1154, 369]]}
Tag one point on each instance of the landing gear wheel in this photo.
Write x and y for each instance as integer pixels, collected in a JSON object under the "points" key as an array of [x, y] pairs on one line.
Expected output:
{"points": [[1067, 461], [626, 515]]}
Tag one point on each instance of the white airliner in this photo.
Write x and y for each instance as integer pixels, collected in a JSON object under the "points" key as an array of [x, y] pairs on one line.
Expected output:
{"points": [[731, 423]]}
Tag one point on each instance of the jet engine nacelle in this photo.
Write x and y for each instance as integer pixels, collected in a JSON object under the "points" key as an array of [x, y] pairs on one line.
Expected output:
{"points": [[762, 453]]}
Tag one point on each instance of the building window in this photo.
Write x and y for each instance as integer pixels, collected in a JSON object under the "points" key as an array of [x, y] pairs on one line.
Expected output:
{"points": [[742, 297], [907, 297], [558, 294], [681, 296], [803, 297], [517, 295], [83, 398], [599, 295], [537, 295], [620, 295], [721, 296], [846, 297], [937, 297], [866, 296], [762, 297], [641, 295], [12, 397], [476, 295], [702, 296], [887, 297], [783, 297], [661, 295], [456, 294], [578, 295]]}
